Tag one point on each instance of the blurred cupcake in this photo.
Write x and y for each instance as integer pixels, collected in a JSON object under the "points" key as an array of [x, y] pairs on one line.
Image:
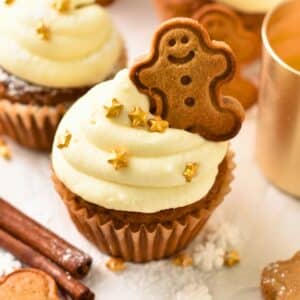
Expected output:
{"points": [[167, 9], [51, 53], [251, 12]]}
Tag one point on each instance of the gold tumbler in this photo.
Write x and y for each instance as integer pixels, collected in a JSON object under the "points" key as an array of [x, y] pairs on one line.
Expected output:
{"points": [[278, 131]]}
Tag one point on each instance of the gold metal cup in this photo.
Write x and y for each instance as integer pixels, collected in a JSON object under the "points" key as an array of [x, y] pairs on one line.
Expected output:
{"points": [[278, 131]]}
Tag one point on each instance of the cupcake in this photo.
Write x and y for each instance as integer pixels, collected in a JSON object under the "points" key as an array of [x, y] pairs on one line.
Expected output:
{"points": [[135, 184], [52, 52]]}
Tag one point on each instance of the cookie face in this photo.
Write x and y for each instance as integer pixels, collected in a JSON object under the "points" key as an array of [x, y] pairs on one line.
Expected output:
{"points": [[281, 280], [183, 76], [223, 24], [28, 284]]}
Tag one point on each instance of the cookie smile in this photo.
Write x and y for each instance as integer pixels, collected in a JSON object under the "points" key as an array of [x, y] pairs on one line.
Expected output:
{"points": [[181, 60]]}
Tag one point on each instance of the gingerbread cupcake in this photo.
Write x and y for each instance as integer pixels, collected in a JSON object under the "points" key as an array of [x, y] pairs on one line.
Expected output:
{"points": [[143, 160], [51, 53]]}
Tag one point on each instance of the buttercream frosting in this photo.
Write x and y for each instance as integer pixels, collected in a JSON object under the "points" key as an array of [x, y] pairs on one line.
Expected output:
{"points": [[153, 180], [252, 6], [83, 49]]}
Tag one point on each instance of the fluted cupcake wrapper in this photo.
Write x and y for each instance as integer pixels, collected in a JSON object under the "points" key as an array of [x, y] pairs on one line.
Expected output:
{"points": [[30, 125], [143, 242]]}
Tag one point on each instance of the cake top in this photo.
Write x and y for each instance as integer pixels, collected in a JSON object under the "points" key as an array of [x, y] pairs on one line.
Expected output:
{"points": [[252, 6], [110, 150], [128, 145], [58, 43]]}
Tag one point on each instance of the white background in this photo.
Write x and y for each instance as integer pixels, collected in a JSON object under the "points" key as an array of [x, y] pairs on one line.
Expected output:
{"points": [[268, 220]]}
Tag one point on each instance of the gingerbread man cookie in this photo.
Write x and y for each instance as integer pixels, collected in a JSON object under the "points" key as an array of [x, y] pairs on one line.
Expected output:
{"points": [[281, 280], [28, 284], [223, 24], [183, 76]]}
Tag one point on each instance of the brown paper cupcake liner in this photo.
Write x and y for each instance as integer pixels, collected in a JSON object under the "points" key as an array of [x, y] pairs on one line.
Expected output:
{"points": [[142, 242], [30, 125]]}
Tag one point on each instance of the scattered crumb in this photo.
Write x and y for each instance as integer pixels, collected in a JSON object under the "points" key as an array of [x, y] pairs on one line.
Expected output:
{"points": [[231, 258], [4, 150], [182, 260], [116, 264]]}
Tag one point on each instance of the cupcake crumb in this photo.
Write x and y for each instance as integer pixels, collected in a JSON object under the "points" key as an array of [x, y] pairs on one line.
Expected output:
{"points": [[231, 258], [116, 264], [5, 150], [182, 260]]}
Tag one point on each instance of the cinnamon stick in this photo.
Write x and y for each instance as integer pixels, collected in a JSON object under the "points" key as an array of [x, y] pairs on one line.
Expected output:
{"points": [[32, 258], [44, 241]]}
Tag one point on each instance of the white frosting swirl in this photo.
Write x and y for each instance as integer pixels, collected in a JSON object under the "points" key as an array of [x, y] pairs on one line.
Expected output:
{"points": [[83, 49], [252, 6], [153, 180]]}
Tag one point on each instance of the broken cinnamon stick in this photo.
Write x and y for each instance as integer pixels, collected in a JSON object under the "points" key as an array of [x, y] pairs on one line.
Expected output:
{"points": [[32, 258], [44, 241]]}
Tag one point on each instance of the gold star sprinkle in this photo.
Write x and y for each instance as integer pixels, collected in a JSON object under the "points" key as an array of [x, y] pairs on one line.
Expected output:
{"points": [[158, 125], [120, 159], [114, 110], [61, 6], [231, 258], [43, 31], [64, 140], [4, 150], [138, 117], [190, 171], [115, 265], [182, 260], [9, 2]]}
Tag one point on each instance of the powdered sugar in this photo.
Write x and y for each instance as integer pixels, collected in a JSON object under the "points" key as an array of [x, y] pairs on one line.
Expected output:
{"points": [[209, 248], [164, 280], [8, 263]]}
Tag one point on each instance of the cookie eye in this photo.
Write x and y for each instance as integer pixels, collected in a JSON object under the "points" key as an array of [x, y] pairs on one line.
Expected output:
{"points": [[185, 80], [189, 101], [172, 42], [184, 39]]}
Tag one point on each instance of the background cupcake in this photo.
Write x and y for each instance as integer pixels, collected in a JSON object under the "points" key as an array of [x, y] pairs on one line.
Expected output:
{"points": [[50, 55]]}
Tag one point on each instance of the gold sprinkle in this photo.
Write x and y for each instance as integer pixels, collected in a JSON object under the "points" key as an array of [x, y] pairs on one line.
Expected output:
{"points": [[116, 264], [120, 159], [231, 258], [138, 117], [64, 140], [9, 2], [157, 124], [114, 110], [182, 260], [43, 31], [190, 171], [61, 6], [4, 150]]}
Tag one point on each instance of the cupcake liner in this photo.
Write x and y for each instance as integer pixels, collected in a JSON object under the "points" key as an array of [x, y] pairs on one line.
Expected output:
{"points": [[142, 242], [30, 125]]}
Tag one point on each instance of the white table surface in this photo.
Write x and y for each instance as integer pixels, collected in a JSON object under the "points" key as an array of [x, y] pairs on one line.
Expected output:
{"points": [[268, 219]]}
